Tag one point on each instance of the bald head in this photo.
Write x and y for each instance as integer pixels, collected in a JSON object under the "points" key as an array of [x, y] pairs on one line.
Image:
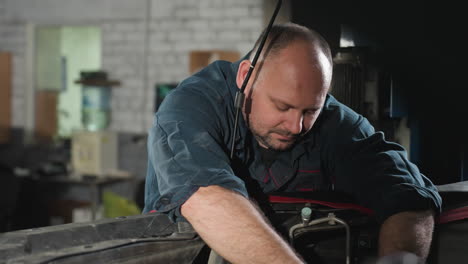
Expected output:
{"points": [[284, 35]]}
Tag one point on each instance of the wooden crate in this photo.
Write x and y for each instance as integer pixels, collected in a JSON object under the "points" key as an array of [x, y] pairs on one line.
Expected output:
{"points": [[5, 96], [46, 115], [201, 58]]}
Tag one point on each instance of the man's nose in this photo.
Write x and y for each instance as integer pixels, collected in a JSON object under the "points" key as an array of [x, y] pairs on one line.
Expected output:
{"points": [[294, 123]]}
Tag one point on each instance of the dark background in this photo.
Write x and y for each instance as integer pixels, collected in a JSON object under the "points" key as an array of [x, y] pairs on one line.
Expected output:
{"points": [[423, 45]]}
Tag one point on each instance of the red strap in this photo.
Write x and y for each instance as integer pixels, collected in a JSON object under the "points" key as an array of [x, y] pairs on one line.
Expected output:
{"points": [[152, 211], [281, 199], [452, 215]]}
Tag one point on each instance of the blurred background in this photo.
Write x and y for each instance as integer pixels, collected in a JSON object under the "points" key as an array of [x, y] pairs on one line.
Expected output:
{"points": [[80, 81]]}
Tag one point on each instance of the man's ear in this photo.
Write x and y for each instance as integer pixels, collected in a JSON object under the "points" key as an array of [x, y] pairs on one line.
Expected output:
{"points": [[244, 67]]}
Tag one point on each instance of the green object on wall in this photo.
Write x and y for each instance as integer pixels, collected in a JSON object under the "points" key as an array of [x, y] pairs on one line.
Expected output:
{"points": [[116, 205]]}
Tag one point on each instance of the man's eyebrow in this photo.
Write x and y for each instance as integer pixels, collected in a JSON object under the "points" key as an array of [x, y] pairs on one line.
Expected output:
{"points": [[279, 101]]}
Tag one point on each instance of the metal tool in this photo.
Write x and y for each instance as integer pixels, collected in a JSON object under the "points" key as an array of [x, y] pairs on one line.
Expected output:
{"points": [[331, 219], [240, 96]]}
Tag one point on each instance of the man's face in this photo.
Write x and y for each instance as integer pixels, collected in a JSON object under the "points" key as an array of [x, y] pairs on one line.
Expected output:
{"points": [[286, 97]]}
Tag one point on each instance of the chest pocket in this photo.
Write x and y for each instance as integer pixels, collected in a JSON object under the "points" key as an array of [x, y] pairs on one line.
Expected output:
{"points": [[309, 175]]}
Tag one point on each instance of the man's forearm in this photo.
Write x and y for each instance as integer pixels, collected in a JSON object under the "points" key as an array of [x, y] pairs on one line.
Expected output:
{"points": [[407, 232], [232, 226]]}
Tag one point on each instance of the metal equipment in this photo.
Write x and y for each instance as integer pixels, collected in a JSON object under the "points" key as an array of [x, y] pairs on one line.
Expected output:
{"points": [[324, 231], [330, 219]]}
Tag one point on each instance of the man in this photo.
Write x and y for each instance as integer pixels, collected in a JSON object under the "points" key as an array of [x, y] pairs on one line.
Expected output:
{"points": [[289, 127]]}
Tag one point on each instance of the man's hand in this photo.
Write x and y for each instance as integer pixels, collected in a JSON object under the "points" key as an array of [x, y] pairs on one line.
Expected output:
{"points": [[407, 232], [234, 228]]}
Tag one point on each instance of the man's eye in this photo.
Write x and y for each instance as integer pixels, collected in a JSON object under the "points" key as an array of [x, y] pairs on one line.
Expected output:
{"points": [[311, 112], [282, 108]]}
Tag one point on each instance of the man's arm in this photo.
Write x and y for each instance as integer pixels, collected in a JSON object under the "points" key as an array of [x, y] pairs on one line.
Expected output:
{"points": [[233, 227], [407, 232]]}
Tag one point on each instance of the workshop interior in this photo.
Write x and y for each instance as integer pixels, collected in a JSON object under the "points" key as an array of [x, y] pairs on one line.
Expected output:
{"points": [[80, 82]]}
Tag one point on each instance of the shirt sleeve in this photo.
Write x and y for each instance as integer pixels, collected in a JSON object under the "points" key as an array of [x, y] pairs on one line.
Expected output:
{"points": [[379, 173], [186, 152]]}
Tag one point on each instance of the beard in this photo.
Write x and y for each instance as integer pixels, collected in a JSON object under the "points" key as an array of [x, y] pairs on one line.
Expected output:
{"points": [[267, 140]]}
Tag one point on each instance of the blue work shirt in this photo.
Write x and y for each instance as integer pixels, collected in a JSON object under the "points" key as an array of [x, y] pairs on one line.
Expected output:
{"points": [[190, 140]]}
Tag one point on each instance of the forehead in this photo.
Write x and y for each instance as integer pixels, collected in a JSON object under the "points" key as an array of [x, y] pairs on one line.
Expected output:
{"points": [[299, 73]]}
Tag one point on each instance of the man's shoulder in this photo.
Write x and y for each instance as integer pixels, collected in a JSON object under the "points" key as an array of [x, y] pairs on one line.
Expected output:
{"points": [[336, 113], [337, 118], [207, 91], [213, 82]]}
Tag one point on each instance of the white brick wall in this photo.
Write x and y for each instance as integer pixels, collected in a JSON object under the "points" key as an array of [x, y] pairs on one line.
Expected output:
{"points": [[13, 40], [2, 11], [176, 27]]}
